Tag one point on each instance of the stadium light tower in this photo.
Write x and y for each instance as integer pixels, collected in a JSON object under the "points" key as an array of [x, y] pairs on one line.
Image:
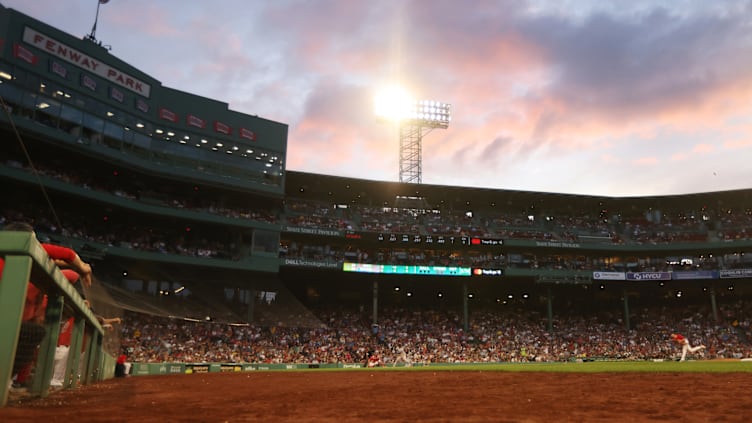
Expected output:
{"points": [[415, 120]]}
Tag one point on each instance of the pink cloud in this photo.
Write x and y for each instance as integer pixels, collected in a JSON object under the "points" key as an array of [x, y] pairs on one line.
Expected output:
{"points": [[703, 148], [610, 158], [677, 157], [646, 161], [739, 143], [150, 18]]}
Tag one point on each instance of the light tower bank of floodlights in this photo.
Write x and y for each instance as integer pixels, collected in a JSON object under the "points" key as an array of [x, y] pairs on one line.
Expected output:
{"points": [[415, 119], [422, 117]]}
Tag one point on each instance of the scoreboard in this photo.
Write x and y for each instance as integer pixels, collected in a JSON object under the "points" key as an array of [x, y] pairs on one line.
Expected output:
{"points": [[394, 269], [424, 240], [399, 269], [405, 241]]}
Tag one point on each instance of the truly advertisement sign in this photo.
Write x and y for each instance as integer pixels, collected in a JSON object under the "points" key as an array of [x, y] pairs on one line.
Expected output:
{"points": [[84, 61]]}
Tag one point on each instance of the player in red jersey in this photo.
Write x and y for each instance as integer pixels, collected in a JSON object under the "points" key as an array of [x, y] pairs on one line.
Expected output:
{"points": [[686, 347], [63, 347], [32, 330], [374, 360]]}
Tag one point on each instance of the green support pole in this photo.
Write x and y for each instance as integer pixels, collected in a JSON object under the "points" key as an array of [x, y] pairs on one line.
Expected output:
{"points": [[466, 323], [713, 304], [45, 366], [90, 357], [100, 360], [74, 353], [550, 300], [375, 319], [251, 305], [13, 283], [626, 309]]}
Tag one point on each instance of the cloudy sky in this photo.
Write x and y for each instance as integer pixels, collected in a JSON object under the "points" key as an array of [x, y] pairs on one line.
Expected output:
{"points": [[585, 97]]}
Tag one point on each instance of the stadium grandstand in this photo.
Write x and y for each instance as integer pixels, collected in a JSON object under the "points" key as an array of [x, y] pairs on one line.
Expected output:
{"points": [[211, 251]]}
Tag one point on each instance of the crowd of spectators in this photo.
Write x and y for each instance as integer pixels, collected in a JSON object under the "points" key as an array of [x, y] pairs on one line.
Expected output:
{"points": [[583, 227], [222, 243], [135, 187], [437, 336], [127, 233], [464, 257], [647, 229]]}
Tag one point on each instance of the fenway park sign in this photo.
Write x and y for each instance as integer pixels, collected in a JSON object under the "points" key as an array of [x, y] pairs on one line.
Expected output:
{"points": [[69, 54]]}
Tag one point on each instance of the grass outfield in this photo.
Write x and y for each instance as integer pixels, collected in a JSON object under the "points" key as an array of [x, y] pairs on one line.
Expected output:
{"points": [[701, 366]]}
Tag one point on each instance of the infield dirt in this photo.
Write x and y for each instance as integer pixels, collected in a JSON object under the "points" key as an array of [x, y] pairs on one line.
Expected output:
{"points": [[398, 396]]}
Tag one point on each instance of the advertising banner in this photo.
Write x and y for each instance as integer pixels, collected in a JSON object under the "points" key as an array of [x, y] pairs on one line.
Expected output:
{"points": [[697, 274], [735, 273], [608, 276], [649, 276]]}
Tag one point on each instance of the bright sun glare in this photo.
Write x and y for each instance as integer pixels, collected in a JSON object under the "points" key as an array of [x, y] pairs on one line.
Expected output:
{"points": [[392, 103]]}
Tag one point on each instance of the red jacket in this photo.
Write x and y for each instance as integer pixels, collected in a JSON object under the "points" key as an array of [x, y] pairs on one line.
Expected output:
{"points": [[36, 301], [65, 333], [56, 252], [678, 338]]}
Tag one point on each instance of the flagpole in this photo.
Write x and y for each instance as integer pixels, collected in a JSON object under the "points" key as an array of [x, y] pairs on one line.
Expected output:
{"points": [[94, 28]]}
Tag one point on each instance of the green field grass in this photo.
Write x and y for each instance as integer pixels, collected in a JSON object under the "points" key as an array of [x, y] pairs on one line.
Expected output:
{"points": [[703, 366]]}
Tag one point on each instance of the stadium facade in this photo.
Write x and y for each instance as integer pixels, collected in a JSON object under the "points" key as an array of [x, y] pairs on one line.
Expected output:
{"points": [[161, 190]]}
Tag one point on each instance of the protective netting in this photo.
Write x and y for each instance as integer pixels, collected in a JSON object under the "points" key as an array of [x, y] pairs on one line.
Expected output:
{"points": [[29, 338], [202, 302], [108, 311]]}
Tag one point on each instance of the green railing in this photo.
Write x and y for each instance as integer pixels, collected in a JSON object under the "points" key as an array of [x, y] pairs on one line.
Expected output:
{"points": [[26, 260]]}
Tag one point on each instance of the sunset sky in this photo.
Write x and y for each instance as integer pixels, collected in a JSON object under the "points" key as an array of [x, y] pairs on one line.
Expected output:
{"points": [[585, 97]]}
